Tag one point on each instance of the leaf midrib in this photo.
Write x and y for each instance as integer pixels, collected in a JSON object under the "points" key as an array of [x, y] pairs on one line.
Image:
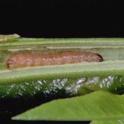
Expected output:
{"points": [[68, 70]]}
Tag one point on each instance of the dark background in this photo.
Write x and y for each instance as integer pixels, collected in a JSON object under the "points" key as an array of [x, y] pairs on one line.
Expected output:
{"points": [[62, 18]]}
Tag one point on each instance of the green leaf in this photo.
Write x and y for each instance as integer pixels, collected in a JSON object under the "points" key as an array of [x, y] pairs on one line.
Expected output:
{"points": [[108, 122], [106, 68], [5, 38], [99, 105], [108, 48], [53, 43]]}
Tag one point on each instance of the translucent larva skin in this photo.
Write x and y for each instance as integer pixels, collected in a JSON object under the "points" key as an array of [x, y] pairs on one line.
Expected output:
{"points": [[36, 58]]}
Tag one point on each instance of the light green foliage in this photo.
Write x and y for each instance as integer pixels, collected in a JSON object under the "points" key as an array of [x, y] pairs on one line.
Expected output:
{"points": [[95, 106]]}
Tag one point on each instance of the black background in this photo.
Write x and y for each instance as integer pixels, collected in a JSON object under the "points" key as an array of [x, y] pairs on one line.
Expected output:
{"points": [[62, 18]]}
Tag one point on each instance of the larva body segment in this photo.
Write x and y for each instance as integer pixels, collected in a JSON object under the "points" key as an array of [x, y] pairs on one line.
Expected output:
{"points": [[38, 58]]}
